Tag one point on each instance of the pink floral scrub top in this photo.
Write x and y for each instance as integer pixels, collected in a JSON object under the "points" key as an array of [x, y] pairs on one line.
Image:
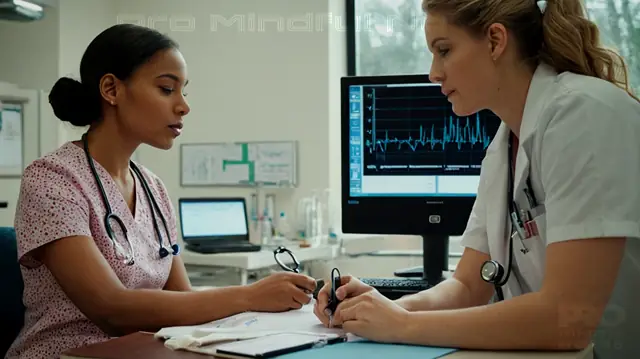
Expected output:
{"points": [[59, 198]]}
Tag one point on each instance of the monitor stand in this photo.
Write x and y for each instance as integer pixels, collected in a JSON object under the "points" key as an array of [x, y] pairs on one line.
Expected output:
{"points": [[435, 260]]}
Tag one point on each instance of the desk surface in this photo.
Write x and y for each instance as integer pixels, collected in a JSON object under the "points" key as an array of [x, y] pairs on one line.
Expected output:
{"points": [[144, 345], [257, 260]]}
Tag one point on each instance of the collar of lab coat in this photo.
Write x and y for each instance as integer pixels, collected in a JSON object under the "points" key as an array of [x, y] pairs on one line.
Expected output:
{"points": [[537, 96]]}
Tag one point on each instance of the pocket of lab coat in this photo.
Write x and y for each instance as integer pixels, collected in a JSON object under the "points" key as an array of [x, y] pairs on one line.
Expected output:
{"points": [[532, 263]]}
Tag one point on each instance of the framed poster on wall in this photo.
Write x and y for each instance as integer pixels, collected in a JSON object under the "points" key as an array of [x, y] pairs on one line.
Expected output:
{"points": [[248, 164]]}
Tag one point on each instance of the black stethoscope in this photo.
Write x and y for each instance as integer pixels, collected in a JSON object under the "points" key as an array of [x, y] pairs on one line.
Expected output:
{"points": [[492, 271], [128, 258], [296, 267]]}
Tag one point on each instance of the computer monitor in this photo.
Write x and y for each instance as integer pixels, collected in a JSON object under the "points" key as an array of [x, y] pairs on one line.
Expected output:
{"points": [[204, 220], [410, 166]]}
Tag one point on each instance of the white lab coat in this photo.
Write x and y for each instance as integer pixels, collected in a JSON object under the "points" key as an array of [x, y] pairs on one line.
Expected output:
{"points": [[580, 143]]}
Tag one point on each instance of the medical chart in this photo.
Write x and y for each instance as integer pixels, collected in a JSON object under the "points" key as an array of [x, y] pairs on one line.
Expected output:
{"points": [[204, 338]]}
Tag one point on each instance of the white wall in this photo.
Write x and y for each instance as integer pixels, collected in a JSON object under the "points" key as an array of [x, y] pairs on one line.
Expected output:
{"points": [[278, 82], [29, 55], [29, 51], [80, 21], [337, 58], [246, 83]]}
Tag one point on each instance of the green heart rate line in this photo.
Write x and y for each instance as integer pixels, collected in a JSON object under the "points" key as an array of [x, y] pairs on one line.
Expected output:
{"points": [[452, 132]]}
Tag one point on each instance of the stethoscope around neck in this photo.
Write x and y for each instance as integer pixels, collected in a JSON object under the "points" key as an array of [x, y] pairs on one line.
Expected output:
{"points": [[492, 271], [128, 256]]}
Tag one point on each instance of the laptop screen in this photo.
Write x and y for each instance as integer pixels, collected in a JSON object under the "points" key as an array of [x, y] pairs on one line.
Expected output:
{"points": [[211, 218]]}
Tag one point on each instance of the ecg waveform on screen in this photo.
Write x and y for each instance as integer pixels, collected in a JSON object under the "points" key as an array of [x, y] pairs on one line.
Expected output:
{"points": [[454, 131], [413, 130]]}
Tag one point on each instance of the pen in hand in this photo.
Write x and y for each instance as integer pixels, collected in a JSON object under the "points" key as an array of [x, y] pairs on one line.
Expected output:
{"points": [[333, 298]]}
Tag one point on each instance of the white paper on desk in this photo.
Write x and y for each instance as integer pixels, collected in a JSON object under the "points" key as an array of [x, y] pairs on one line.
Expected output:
{"points": [[245, 326]]}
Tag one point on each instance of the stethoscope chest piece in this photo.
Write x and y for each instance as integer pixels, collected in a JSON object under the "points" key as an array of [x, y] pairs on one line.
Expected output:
{"points": [[125, 256], [491, 271], [175, 250]]}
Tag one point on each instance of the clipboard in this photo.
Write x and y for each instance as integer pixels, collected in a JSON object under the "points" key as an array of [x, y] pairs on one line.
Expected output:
{"points": [[270, 346]]}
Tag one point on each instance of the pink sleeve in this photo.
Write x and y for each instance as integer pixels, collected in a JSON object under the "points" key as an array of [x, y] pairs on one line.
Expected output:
{"points": [[51, 206]]}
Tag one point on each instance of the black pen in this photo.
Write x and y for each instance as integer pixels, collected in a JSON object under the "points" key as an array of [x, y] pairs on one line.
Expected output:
{"points": [[529, 192], [336, 282], [532, 202]]}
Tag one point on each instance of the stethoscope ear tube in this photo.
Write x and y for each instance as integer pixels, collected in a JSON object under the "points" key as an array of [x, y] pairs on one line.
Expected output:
{"points": [[492, 271], [282, 249], [129, 259], [154, 205]]}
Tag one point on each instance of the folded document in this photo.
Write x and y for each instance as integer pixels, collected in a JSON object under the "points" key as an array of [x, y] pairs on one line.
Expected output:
{"points": [[206, 337]]}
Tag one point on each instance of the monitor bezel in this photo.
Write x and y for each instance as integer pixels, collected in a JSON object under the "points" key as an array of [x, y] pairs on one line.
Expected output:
{"points": [[202, 240], [424, 215]]}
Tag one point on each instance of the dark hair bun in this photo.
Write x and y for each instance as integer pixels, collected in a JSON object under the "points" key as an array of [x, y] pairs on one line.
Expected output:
{"points": [[72, 103]]}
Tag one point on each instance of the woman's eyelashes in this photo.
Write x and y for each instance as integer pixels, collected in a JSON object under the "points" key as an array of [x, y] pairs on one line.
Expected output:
{"points": [[169, 91], [443, 52]]}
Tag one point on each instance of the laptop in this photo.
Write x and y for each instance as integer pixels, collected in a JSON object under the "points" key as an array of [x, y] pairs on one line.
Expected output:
{"points": [[215, 225]]}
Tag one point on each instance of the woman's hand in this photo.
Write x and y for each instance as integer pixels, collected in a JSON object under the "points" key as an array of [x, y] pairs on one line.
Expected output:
{"points": [[350, 287], [372, 316], [280, 292]]}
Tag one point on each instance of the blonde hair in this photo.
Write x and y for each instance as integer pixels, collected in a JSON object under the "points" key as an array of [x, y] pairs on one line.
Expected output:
{"points": [[562, 37]]}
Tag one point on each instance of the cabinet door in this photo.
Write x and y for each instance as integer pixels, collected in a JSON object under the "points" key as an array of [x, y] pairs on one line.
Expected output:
{"points": [[29, 132]]}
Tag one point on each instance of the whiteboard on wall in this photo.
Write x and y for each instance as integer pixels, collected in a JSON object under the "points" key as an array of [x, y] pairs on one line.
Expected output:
{"points": [[239, 164], [11, 139]]}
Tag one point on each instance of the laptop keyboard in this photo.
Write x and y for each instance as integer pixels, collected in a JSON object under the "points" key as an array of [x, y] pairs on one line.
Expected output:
{"points": [[225, 248]]}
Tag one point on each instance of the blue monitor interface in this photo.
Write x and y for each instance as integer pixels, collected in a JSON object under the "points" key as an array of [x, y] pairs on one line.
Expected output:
{"points": [[405, 140]]}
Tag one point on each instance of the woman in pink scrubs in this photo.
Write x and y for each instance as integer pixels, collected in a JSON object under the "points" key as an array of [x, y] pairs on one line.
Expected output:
{"points": [[78, 289]]}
